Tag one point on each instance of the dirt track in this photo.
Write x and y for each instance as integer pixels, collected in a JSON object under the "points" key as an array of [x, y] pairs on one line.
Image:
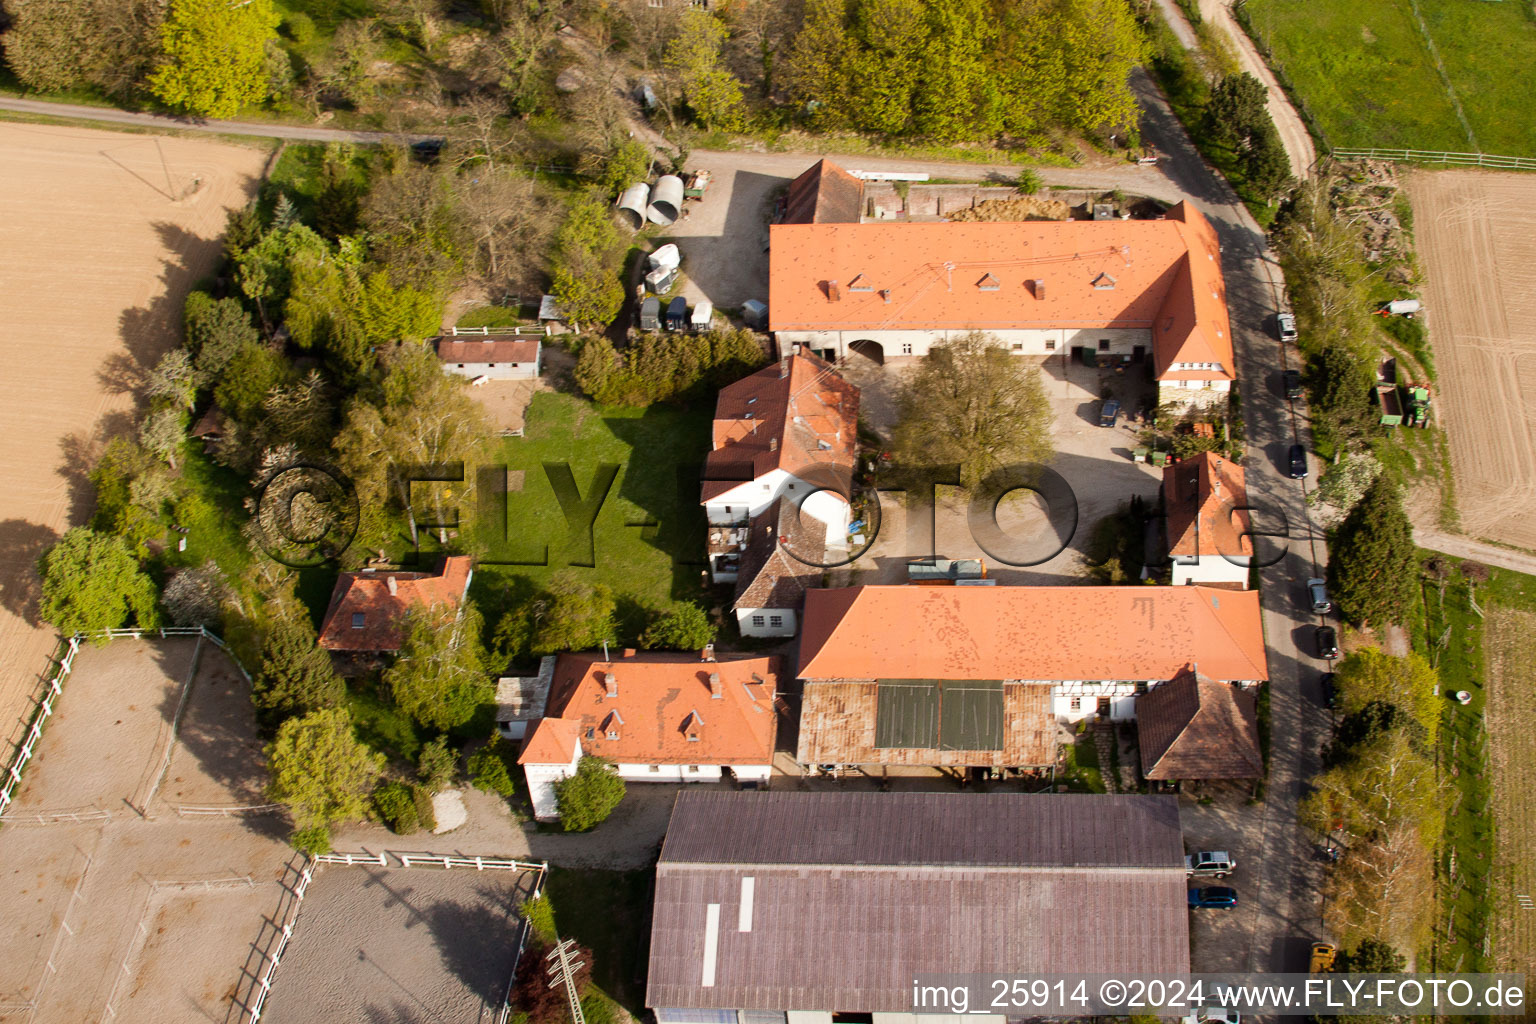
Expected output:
{"points": [[99, 243], [1511, 713], [1476, 233]]}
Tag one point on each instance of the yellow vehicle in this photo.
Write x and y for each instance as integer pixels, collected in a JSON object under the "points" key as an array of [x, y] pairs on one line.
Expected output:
{"points": [[1322, 957]]}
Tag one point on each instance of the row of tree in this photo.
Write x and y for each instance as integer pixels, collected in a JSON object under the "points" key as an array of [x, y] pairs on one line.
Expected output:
{"points": [[671, 366]]}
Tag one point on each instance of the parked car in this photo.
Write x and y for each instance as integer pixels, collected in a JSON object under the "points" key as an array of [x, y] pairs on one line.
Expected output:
{"points": [[1330, 691], [1327, 642], [1317, 590], [1322, 957], [1290, 380], [1217, 896], [1298, 462], [1285, 323], [1217, 863], [1109, 413]]}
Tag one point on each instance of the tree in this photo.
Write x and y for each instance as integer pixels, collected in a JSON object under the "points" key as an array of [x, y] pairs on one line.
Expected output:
{"points": [[490, 769], [1373, 570], [694, 56], [437, 765], [971, 402], [194, 596], [816, 71], [91, 582], [1028, 182], [1371, 956], [439, 678], [249, 377], [627, 163], [958, 97], [1266, 164], [57, 44], [416, 225], [174, 380], [215, 56], [685, 628], [216, 329], [586, 799], [1342, 390], [574, 615], [508, 215], [320, 770], [163, 432], [396, 804], [296, 675], [586, 263], [1407, 683], [1237, 109]]}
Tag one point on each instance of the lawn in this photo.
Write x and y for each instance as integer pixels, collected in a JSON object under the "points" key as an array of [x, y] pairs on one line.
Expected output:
{"points": [[1364, 72], [609, 912], [647, 539]]}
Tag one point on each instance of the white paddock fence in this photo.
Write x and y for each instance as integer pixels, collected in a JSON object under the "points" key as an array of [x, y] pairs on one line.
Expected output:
{"points": [[60, 664], [383, 859], [1429, 156]]}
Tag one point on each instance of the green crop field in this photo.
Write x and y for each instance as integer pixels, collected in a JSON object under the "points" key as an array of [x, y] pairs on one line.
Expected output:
{"points": [[1363, 70]]}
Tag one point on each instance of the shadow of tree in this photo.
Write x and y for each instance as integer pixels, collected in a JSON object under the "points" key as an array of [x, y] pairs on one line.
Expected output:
{"points": [[218, 734], [465, 931], [79, 454], [21, 545]]}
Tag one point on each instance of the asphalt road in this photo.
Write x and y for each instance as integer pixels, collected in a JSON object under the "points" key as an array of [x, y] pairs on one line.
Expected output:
{"points": [[1282, 884]]}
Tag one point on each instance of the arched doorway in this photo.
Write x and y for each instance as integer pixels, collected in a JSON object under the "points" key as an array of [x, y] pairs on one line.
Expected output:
{"points": [[871, 350]]}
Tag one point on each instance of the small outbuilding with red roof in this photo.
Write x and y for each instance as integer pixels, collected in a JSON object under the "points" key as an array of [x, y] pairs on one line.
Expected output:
{"points": [[368, 608]]}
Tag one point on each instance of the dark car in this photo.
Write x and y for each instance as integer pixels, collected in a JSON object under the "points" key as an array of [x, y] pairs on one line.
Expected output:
{"points": [[1109, 413], [1290, 380], [1297, 462], [1327, 642], [1330, 691], [1213, 896]]}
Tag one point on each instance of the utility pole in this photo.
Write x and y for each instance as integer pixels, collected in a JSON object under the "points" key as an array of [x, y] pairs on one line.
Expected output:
{"points": [[562, 971]]}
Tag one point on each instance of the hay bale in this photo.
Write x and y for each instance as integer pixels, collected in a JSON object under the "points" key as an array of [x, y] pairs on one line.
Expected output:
{"points": [[1024, 208]]}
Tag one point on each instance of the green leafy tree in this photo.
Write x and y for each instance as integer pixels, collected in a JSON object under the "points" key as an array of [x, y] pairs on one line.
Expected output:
{"points": [[1373, 570], [396, 804], [574, 615], [973, 403], [320, 770], [1266, 165], [265, 270], [314, 840], [417, 227], [1028, 182], [214, 56], [1370, 956], [685, 628], [629, 162], [437, 765], [174, 379], [490, 768], [816, 71], [712, 92], [216, 330], [296, 675], [92, 582], [248, 378], [586, 799], [1408, 683], [58, 44], [439, 678], [586, 264], [1237, 111], [1342, 390], [958, 97]]}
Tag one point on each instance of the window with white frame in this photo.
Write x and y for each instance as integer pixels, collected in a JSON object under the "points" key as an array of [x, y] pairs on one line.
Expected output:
{"points": [[1077, 703], [757, 620], [775, 620]]}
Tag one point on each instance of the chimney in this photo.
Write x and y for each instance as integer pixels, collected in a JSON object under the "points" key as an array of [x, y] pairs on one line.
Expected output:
{"points": [[773, 444], [795, 348], [1038, 287], [611, 684], [629, 652], [714, 686], [783, 367], [394, 588], [834, 292], [708, 653]]}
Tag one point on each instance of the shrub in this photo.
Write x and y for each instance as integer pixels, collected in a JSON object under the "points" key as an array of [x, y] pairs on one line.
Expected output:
{"points": [[314, 840], [424, 812], [488, 769], [540, 915], [1028, 182], [396, 804], [437, 766], [587, 798], [685, 628], [299, 27]]}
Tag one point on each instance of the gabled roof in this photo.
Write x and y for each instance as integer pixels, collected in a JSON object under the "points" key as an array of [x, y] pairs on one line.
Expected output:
{"points": [[824, 194], [1193, 727], [1205, 500], [656, 696], [1160, 275], [488, 350], [1030, 633], [892, 886], [365, 616], [769, 576], [552, 741], [791, 415]]}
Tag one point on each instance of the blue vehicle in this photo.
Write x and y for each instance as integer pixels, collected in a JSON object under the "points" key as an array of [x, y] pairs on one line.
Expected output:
{"points": [[1218, 896]]}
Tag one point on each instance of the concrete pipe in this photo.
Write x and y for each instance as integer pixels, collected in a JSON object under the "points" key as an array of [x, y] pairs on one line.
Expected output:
{"points": [[633, 203], [667, 200]]}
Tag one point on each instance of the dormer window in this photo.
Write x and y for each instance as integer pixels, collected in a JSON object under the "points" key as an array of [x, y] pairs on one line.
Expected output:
{"points": [[989, 284], [860, 283], [1103, 282]]}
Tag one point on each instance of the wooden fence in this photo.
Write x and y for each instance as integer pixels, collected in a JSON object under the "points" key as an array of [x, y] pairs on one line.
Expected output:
{"points": [[1428, 156]]}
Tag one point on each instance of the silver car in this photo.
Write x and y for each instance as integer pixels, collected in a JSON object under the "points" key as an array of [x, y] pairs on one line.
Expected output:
{"points": [[1317, 590]]}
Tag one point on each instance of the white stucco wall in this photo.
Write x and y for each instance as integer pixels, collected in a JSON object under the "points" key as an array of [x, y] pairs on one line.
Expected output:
{"points": [[1031, 342], [786, 628], [1122, 707], [747, 499], [495, 371], [1211, 569], [541, 785], [689, 772]]}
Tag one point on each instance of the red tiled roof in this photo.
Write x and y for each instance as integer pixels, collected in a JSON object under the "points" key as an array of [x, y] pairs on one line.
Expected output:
{"points": [[661, 699], [779, 418], [824, 194], [1165, 276], [771, 577], [1204, 497], [1030, 633], [366, 594], [1193, 727], [552, 741], [488, 350]]}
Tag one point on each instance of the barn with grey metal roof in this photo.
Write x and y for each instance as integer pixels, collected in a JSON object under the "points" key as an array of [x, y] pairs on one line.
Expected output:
{"points": [[833, 901]]}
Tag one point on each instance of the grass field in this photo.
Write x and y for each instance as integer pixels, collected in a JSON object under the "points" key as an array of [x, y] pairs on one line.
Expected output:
{"points": [[647, 542], [1365, 73]]}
